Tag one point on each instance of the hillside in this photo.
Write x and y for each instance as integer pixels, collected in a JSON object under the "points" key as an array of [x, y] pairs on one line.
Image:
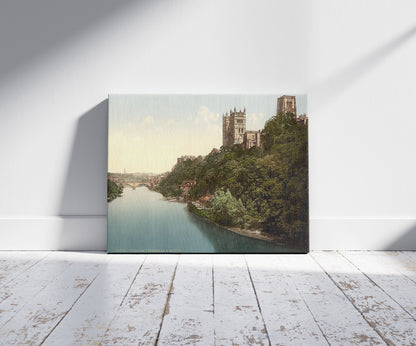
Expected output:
{"points": [[263, 189]]}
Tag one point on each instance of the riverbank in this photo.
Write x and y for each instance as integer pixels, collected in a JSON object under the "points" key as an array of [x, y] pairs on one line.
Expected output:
{"points": [[256, 234], [203, 214], [174, 199]]}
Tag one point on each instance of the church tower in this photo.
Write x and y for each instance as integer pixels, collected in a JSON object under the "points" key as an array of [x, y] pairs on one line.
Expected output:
{"points": [[286, 104], [233, 127]]}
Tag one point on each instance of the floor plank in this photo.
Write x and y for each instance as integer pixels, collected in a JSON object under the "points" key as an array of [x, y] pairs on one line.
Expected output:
{"points": [[391, 322], [338, 319], [16, 293], [238, 320], [14, 263], [324, 298], [403, 262], [139, 318], [287, 317], [386, 276], [411, 255], [189, 318], [89, 319], [35, 320]]}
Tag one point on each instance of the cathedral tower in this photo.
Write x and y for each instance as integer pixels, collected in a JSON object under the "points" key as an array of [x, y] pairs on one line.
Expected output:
{"points": [[233, 127], [286, 104]]}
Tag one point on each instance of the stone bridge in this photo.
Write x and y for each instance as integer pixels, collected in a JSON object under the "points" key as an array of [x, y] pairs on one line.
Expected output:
{"points": [[134, 185]]}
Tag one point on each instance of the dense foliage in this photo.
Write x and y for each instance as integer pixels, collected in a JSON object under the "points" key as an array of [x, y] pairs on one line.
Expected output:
{"points": [[264, 189], [227, 210], [113, 190]]}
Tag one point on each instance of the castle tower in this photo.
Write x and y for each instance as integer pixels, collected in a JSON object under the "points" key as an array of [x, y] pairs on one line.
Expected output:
{"points": [[233, 127], [286, 104]]}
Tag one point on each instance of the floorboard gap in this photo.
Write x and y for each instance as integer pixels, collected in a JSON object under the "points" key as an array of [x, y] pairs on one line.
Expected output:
{"points": [[257, 300], [67, 312], [167, 301], [352, 303], [384, 291]]}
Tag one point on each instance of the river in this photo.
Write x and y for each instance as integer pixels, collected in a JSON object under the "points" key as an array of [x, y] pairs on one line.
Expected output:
{"points": [[142, 221]]}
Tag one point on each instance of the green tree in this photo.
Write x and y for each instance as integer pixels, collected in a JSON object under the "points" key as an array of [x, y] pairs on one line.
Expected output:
{"points": [[227, 210], [113, 190]]}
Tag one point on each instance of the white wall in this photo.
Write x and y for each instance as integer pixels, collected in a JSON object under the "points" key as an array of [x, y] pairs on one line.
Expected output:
{"points": [[355, 59]]}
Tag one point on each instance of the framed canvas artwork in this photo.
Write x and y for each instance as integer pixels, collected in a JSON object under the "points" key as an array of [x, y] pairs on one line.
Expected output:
{"points": [[208, 174]]}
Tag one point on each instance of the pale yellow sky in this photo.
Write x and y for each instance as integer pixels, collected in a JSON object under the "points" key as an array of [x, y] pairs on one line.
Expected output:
{"points": [[151, 146], [148, 133]]}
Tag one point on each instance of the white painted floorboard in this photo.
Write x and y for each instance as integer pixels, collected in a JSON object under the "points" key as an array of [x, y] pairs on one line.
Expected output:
{"points": [[14, 263], [139, 318], [32, 324], [238, 320], [287, 317], [90, 317], [336, 298], [15, 294], [398, 287], [189, 315], [338, 319], [385, 315]]}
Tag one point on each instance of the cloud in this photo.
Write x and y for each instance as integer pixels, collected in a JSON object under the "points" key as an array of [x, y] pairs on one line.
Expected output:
{"points": [[204, 115], [255, 117]]}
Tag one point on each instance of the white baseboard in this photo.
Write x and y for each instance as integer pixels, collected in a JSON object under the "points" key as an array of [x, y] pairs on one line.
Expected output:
{"points": [[90, 233], [362, 234], [54, 233]]}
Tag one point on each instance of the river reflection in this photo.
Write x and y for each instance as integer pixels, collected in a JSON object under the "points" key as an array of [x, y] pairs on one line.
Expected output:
{"points": [[142, 221]]}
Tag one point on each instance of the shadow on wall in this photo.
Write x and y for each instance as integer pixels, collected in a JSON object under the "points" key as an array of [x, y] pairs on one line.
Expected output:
{"points": [[25, 27], [337, 83], [83, 205], [406, 242], [84, 191]]}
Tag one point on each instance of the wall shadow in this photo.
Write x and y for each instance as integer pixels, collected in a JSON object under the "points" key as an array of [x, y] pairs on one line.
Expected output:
{"points": [[29, 30], [336, 84], [85, 187], [406, 242]]}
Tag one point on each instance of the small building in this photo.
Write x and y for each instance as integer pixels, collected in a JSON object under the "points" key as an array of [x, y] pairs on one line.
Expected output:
{"points": [[157, 179], [302, 119], [185, 157], [205, 199], [186, 186], [252, 139]]}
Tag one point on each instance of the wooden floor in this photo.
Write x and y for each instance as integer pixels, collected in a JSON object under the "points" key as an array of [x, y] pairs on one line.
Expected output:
{"points": [[336, 298]]}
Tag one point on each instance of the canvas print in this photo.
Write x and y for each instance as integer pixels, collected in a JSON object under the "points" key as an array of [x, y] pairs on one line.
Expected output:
{"points": [[208, 174]]}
